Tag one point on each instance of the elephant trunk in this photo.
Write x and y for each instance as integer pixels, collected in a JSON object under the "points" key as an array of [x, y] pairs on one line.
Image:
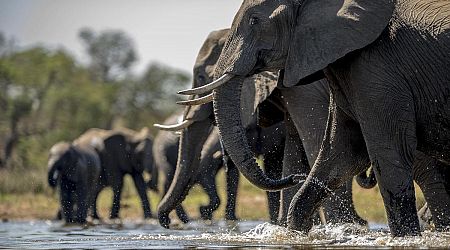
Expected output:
{"points": [[227, 109], [191, 143]]}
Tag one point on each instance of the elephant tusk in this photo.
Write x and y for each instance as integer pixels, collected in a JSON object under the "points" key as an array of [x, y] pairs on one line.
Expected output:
{"points": [[174, 127], [197, 101], [208, 87]]}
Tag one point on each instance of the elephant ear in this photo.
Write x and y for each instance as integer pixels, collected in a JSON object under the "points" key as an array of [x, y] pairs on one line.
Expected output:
{"points": [[327, 30], [255, 90]]}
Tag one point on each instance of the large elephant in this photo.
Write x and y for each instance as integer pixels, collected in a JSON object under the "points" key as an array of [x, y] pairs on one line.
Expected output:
{"points": [[269, 141], [76, 170], [165, 152], [124, 151], [195, 129], [387, 64]]}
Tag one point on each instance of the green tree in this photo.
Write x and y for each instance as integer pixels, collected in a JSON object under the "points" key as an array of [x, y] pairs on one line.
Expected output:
{"points": [[111, 53], [152, 97]]}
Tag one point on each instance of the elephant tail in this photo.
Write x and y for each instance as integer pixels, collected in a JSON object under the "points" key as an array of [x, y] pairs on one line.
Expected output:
{"points": [[366, 180]]}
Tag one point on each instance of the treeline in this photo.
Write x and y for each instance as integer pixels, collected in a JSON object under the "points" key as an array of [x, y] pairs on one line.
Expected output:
{"points": [[47, 96]]}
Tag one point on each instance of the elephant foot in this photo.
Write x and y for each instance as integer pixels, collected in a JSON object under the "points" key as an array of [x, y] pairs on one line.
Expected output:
{"points": [[206, 213], [59, 215], [164, 220], [231, 217], [184, 218]]}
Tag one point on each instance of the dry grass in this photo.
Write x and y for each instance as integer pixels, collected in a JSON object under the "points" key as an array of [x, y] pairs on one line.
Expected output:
{"points": [[252, 203]]}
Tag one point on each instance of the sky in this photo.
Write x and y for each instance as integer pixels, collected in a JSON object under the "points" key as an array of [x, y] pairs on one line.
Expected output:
{"points": [[166, 31]]}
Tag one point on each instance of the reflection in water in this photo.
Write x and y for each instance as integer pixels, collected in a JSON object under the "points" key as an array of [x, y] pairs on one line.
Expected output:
{"points": [[47, 235]]}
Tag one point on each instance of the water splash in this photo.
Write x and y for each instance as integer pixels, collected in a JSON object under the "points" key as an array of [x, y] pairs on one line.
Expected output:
{"points": [[39, 235]]}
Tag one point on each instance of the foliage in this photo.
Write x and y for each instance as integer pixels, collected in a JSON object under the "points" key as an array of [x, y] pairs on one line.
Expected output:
{"points": [[111, 52], [152, 97], [47, 96]]}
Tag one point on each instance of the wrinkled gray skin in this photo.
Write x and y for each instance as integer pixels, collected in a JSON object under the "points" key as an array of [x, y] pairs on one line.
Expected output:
{"points": [[387, 64], [270, 141], [165, 152], [430, 174], [123, 151], [194, 137], [76, 170]]}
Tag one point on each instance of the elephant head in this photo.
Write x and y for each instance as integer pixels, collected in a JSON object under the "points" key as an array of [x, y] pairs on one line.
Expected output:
{"points": [[299, 38], [62, 162], [195, 126], [198, 121], [142, 155]]}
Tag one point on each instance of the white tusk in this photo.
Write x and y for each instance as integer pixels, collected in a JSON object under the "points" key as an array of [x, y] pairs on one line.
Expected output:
{"points": [[198, 101], [174, 127], [208, 87]]}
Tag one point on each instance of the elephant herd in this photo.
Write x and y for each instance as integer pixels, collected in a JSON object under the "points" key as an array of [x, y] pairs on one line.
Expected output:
{"points": [[359, 84], [324, 90]]}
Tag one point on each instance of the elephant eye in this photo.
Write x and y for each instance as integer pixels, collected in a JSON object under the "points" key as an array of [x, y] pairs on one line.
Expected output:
{"points": [[253, 20]]}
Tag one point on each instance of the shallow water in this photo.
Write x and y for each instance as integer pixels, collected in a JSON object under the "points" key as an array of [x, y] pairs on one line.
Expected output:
{"points": [[53, 235]]}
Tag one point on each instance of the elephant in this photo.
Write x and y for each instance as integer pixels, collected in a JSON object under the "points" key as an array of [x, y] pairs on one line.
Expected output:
{"points": [[269, 141], [76, 170], [195, 129], [386, 63], [165, 152], [437, 174], [124, 151]]}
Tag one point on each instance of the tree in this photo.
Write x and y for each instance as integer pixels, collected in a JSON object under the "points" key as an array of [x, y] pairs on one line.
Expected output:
{"points": [[26, 77], [111, 53], [7, 46], [152, 97]]}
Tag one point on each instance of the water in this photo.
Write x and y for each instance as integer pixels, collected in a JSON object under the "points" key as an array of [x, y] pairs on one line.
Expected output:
{"points": [[201, 235]]}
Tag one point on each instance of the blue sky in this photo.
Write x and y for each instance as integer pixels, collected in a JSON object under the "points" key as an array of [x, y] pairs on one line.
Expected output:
{"points": [[167, 31]]}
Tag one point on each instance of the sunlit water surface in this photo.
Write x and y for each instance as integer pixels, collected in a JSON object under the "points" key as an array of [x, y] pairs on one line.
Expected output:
{"points": [[53, 235]]}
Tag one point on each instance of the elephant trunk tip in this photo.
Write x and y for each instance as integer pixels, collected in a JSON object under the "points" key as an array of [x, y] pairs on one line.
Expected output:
{"points": [[164, 219], [287, 182]]}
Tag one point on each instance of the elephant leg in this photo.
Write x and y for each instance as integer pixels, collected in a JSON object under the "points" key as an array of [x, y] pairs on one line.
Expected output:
{"points": [[430, 174], [273, 164], [142, 191], [59, 214], [94, 204], [339, 208], [294, 162], [82, 203], [117, 190], [67, 200], [209, 185], [391, 142], [181, 213], [232, 188], [342, 155]]}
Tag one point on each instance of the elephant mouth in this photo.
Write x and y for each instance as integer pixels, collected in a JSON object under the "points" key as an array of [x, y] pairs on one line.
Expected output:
{"points": [[260, 64]]}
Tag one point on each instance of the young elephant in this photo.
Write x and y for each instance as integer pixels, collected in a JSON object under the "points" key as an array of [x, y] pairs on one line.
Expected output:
{"points": [[123, 151], [165, 152], [76, 170]]}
